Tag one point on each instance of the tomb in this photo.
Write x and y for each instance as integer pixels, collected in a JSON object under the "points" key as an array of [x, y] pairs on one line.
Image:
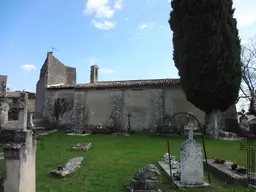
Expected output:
{"points": [[225, 172], [69, 168], [145, 179], [82, 147], [190, 172]]}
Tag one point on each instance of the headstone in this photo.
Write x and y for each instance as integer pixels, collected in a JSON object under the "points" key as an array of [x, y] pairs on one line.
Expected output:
{"points": [[69, 168], [191, 160]]}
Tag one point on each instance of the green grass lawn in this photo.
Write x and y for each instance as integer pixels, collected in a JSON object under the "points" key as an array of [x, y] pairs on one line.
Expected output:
{"points": [[112, 161]]}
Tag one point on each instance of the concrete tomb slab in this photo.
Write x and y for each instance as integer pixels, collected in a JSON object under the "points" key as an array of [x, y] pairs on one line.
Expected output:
{"points": [[69, 168], [45, 132], [145, 180], [224, 171], [77, 134], [82, 147], [165, 167]]}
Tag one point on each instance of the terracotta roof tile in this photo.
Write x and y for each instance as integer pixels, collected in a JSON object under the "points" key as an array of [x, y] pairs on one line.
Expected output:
{"points": [[119, 84]]}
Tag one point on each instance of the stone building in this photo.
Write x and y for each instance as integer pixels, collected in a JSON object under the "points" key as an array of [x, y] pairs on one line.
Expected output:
{"points": [[148, 101]]}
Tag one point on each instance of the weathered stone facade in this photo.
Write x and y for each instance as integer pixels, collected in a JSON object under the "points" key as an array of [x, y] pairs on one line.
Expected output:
{"points": [[52, 72], [148, 101], [92, 107], [78, 115]]}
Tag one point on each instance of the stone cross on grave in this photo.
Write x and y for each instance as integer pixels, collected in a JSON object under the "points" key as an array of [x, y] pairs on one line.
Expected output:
{"points": [[190, 127]]}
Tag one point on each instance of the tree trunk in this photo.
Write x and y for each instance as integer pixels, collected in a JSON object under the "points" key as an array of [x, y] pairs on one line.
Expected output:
{"points": [[212, 124]]}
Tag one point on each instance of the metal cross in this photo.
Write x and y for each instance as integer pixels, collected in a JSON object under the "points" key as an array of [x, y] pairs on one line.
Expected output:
{"points": [[250, 147], [129, 122]]}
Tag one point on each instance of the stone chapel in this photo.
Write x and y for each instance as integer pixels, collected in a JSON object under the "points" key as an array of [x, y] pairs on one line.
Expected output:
{"points": [[148, 101]]}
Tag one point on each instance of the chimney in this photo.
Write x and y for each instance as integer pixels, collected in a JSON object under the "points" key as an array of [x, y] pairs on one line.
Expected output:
{"points": [[94, 74], [49, 53]]}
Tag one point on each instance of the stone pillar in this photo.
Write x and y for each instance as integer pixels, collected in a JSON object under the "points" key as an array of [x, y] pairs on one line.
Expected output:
{"points": [[4, 109], [20, 161], [30, 120], [23, 113]]}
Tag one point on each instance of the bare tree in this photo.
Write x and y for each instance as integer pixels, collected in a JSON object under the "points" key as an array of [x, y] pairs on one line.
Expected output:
{"points": [[248, 84]]}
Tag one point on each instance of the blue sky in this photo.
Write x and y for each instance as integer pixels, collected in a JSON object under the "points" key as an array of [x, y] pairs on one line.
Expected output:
{"points": [[128, 39]]}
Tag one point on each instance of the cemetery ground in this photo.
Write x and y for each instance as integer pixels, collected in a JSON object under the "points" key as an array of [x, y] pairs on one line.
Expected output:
{"points": [[112, 161]]}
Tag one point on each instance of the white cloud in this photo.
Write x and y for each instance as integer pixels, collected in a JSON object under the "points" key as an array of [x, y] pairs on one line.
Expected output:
{"points": [[118, 4], [126, 19], [103, 10], [106, 71], [99, 8], [104, 25], [245, 12], [28, 67], [143, 26]]}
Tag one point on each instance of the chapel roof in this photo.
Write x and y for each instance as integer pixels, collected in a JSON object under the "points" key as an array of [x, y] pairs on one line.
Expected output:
{"points": [[120, 84]]}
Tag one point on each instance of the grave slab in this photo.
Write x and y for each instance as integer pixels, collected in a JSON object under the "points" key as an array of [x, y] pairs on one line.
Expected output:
{"points": [[82, 147], [45, 132], [69, 168], [224, 171], [77, 134], [178, 184], [1, 156]]}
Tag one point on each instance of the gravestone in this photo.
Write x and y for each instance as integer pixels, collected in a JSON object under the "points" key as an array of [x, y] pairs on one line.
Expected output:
{"points": [[191, 160], [244, 123]]}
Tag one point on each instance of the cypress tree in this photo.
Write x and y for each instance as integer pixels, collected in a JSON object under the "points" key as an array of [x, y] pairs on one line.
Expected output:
{"points": [[207, 52]]}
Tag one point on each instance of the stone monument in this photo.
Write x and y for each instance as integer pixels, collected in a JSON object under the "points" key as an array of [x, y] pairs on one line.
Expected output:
{"points": [[191, 161], [19, 152]]}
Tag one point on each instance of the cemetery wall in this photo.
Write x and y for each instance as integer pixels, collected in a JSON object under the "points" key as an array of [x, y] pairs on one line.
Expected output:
{"points": [[51, 97], [175, 101], [147, 106]]}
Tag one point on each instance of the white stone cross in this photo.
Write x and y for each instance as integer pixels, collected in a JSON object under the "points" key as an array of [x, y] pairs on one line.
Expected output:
{"points": [[190, 127]]}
